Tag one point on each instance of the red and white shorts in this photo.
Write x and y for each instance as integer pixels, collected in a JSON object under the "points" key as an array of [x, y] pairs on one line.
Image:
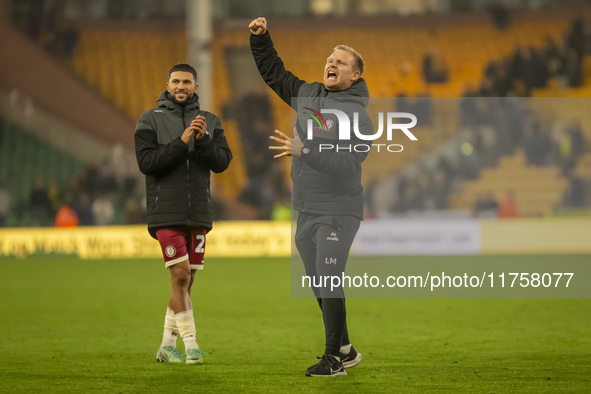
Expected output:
{"points": [[180, 243]]}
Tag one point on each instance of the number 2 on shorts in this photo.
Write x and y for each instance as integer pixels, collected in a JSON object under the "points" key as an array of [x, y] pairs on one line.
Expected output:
{"points": [[200, 242]]}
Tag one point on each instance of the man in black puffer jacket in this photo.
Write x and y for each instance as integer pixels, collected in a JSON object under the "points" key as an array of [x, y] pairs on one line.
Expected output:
{"points": [[326, 175], [177, 146]]}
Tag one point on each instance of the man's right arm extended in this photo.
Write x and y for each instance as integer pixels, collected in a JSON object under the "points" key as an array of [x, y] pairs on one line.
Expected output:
{"points": [[271, 67]]}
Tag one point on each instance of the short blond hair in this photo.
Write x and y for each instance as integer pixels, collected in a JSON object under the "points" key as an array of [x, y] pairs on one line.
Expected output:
{"points": [[358, 64]]}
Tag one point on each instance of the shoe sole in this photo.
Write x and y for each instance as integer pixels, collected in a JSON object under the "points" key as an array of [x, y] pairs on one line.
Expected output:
{"points": [[161, 359], [343, 373], [352, 363], [197, 362], [169, 362]]}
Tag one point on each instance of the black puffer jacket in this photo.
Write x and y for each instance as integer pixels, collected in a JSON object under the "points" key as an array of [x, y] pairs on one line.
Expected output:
{"points": [[327, 181], [177, 175]]}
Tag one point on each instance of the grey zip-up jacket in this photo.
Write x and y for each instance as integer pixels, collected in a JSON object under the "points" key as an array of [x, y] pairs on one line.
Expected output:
{"points": [[325, 182], [177, 175]]}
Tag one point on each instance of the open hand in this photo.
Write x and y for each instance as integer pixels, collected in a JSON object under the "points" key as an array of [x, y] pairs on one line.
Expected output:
{"points": [[287, 145]]}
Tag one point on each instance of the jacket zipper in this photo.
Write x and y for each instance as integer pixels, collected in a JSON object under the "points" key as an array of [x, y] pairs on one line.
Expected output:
{"points": [[188, 170], [300, 182]]}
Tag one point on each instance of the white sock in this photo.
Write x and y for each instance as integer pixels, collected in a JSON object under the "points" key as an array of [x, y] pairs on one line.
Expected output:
{"points": [[186, 325], [345, 349], [171, 331]]}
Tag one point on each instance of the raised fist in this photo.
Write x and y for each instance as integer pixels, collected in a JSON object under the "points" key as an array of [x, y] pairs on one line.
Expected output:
{"points": [[258, 26]]}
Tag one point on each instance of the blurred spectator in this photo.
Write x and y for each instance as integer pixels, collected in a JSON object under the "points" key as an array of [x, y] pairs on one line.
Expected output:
{"points": [[52, 22], [69, 39], [1, 128], [4, 204], [125, 165], [255, 120], [533, 141], [401, 103], [468, 106], [133, 213], [486, 206], [422, 109], [574, 194], [88, 179], [471, 160], [419, 106], [252, 197], [565, 150], [573, 68], [369, 198], [28, 15], [577, 138], [500, 15], [507, 207], [66, 216], [74, 188], [434, 68], [524, 71], [575, 43], [84, 210], [102, 210], [106, 181], [39, 204], [54, 196], [443, 185], [554, 58]]}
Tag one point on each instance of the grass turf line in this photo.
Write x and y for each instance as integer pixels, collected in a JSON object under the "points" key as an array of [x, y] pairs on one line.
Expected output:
{"points": [[74, 325]]}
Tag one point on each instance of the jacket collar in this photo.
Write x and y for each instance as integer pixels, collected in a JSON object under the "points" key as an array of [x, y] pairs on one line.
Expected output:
{"points": [[358, 90]]}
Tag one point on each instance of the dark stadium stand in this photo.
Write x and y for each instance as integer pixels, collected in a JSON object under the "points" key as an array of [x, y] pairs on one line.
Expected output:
{"points": [[23, 158]]}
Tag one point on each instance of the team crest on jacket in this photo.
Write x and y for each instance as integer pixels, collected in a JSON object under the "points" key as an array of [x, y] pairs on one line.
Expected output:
{"points": [[329, 124], [170, 251]]}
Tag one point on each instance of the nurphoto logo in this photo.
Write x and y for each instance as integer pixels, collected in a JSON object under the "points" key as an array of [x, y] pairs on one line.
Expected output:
{"points": [[344, 130]]}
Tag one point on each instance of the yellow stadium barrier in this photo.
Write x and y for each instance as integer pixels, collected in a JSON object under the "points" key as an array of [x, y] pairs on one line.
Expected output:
{"points": [[273, 239], [536, 236], [228, 239]]}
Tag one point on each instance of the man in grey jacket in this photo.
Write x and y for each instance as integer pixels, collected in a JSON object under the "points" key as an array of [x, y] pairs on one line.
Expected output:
{"points": [[327, 191]]}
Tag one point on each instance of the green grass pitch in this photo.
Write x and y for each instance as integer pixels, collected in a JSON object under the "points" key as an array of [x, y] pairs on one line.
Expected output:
{"points": [[70, 325]]}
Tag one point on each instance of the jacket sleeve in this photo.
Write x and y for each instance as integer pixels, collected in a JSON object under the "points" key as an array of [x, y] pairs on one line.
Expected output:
{"points": [[151, 157], [213, 150], [271, 67]]}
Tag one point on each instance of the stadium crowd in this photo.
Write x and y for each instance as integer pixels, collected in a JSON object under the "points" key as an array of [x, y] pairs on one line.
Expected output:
{"points": [[95, 196], [495, 107], [266, 193], [530, 68]]}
